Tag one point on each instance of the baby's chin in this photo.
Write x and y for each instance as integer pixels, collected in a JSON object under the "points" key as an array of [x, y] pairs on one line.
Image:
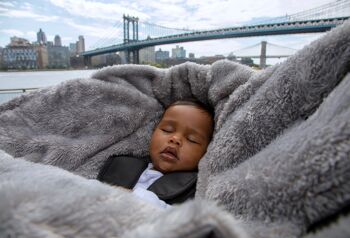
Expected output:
{"points": [[164, 167]]}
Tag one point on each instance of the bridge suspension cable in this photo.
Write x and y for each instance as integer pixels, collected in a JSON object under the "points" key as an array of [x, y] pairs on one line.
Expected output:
{"points": [[339, 8], [249, 47], [111, 37], [272, 50], [170, 28], [154, 30], [330, 10]]}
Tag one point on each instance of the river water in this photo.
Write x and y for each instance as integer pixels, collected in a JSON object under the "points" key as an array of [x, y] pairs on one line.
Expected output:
{"points": [[36, 79]]}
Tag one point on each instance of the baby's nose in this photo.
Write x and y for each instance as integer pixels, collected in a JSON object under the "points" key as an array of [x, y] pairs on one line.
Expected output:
{"points": [[175, 140]]}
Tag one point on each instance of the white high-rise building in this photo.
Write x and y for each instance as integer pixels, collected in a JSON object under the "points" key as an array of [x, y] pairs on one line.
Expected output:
{"points": [[162, 55], [147, 55], [57, 41], [73, 48], [178, 52], [41, 37], [80, 45]]}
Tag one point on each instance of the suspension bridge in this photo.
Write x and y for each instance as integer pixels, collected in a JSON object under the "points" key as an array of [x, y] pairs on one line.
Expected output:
{"points": [[138, 34], [260, 51]]}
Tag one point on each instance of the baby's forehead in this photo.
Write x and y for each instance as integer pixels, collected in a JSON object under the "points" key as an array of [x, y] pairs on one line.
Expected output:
{"points": [[188, 115], [189, 108]]}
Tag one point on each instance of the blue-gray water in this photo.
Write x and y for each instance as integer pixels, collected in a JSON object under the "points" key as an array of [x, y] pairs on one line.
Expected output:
{"points": [[39, 79]]}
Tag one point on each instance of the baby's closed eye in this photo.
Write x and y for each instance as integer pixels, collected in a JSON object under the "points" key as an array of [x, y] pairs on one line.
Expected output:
{"points": [[167, 129], [193, 139]]}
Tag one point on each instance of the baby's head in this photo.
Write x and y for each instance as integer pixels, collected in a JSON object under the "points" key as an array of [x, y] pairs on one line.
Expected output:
{"points": [[182, 136]]}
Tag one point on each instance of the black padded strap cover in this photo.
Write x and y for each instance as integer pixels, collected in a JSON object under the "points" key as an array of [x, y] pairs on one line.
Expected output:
{"points": [[122, 170], [175, 187]]}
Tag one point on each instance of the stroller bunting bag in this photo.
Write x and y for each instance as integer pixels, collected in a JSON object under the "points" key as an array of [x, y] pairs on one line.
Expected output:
{"points": [[278, 164]]}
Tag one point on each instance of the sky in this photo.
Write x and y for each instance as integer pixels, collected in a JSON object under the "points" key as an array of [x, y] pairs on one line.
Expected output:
{"points": [[95, 18]]}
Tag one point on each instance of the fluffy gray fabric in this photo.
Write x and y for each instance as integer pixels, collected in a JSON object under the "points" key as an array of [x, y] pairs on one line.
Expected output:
{"points": [[278, 162], [301, 177], [44, 201]]}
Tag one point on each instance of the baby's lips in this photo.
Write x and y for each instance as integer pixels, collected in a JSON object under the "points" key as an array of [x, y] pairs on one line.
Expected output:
{"points": [[171, 151]]}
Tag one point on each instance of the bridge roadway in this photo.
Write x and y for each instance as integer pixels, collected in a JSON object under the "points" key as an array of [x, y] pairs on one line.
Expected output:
{"points": [[259, 56], [297, 27]]}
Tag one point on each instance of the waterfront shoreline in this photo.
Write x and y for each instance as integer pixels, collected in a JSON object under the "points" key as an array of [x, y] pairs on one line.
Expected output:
{"points": [[14, 83], [40, 70]]}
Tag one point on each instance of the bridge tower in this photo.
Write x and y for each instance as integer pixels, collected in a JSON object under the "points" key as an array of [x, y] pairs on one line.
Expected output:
{"points": [[263, 55], [132, 56]]}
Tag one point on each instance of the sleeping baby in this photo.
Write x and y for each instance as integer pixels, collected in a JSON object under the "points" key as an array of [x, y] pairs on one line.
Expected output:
{"points": [[170, 174]]}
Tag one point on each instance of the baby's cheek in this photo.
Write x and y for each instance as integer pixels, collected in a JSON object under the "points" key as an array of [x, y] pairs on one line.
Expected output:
{"points": [[189, 160]]}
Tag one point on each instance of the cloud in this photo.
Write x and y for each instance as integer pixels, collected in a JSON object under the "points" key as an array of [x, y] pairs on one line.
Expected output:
{"points": [[68, 39], [209, 14], [50, 37], [299, 41], [27, 6], [99, 31], [13, 32], [171, 12], [105, 11], [29, 35], [11, 13], [7, 4]]}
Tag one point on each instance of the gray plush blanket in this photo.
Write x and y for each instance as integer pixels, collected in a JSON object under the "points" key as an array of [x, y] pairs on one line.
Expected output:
{"points": [[278, 165]]}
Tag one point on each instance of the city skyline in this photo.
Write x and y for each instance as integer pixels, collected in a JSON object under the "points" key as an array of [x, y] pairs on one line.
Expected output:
{"points": [[69, 19], [41, 39]]}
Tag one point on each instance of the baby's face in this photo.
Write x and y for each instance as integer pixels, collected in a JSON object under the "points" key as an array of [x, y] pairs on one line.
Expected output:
{"points": [[180, 139]]}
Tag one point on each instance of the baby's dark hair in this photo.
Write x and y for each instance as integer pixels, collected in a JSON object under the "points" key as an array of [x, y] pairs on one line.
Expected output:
{"points": [[194, 103]]}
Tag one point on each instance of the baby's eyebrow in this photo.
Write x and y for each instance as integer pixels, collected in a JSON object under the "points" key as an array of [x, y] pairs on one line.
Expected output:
{"points": [[167, 121]]}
